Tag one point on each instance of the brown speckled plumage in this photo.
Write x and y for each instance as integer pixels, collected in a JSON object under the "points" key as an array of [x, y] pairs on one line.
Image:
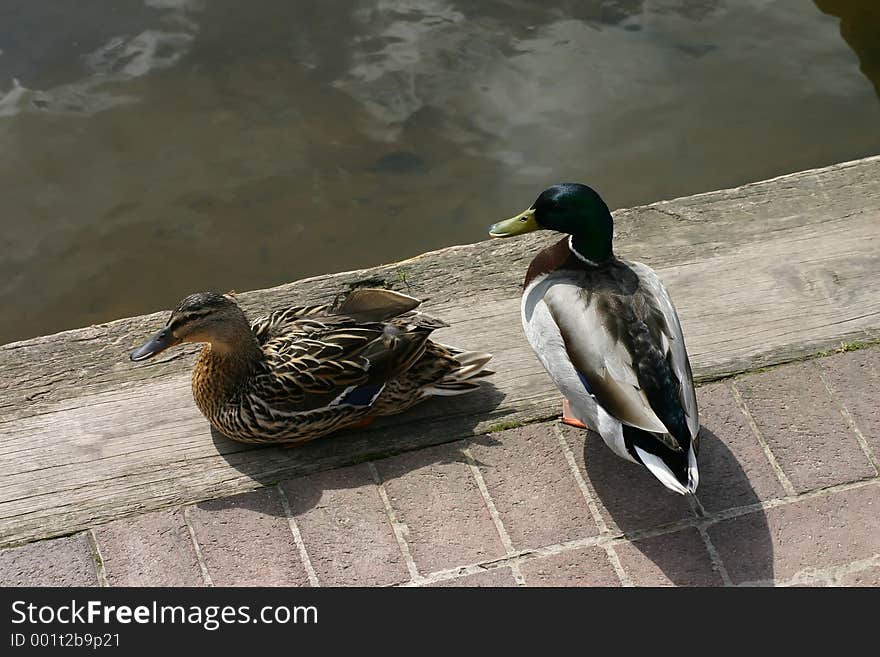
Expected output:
{"points": [[301, 373]]}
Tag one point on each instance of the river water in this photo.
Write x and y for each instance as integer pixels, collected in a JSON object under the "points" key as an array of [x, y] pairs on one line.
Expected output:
{"points": [[152, 148]]}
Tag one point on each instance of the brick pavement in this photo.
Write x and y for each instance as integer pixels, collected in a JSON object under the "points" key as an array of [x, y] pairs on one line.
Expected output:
{"points": [[789, 495]]}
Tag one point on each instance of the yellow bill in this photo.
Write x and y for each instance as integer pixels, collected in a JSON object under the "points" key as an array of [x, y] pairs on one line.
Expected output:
{"points": [[524, 222]]}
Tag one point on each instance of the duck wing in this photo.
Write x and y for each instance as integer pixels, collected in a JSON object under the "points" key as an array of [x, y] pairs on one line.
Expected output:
{"points": [[623, 338], [333, 355], [595, 343], [376, 304], [674, 350], [362, 304]]}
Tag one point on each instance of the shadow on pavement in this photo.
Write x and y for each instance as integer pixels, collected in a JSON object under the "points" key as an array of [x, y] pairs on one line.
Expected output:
{"points": [[434, 422], [633, 500]]}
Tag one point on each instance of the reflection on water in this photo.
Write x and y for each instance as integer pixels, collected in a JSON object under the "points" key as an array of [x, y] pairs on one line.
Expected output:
{"points": [[860, 26], [148, 149]]}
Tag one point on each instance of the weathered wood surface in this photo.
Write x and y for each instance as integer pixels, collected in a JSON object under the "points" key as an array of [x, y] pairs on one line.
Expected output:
{"points": [[761, 274]]}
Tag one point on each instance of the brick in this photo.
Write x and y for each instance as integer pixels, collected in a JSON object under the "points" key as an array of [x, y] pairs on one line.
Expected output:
{"points": [[676, 559], [496, 577], [246, 541], [734, 470], [833, 529], [803, 427], [532, 487], [628, 495], [434, 494], [345, 528], [150, 550], [64, 561], [579, 567], [855, 380]]}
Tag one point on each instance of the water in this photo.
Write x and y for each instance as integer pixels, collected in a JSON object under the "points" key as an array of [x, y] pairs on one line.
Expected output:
{"points": [[150, 149]]}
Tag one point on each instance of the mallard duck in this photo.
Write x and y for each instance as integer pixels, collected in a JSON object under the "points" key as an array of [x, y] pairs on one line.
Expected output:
{"points": [[301, 373], [608, 335]]}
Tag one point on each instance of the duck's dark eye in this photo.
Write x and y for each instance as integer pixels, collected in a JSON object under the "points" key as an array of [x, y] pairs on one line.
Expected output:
{"points": [[523, 219]]}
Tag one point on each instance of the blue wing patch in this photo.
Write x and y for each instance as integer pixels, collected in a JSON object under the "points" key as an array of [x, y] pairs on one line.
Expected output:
{"points": [[359, 395], [585, 382]]}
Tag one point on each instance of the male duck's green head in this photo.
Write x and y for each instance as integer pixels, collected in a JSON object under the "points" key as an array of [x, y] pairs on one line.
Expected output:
{"points": [[567, 208]]}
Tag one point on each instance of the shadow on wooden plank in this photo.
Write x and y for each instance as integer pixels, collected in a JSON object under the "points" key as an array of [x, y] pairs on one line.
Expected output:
{"points": [[433, 422]]}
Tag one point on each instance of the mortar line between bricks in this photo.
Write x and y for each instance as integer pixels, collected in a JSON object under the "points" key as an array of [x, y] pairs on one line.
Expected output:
{"points": [[601, 525], [505, 561], [717, 562], [395, 525], [493, 513], [97, 558], [714, 557], [830, 575], [554, 549], [200, 557], [692, 522], [547, 551], [696, 506], [850, 420], [579, 481], [736, 512], [297, 537], [620, 571], [777, 469]]}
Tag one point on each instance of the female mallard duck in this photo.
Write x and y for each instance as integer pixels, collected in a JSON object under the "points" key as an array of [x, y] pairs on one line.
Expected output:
{"points": [[607, 333], [301, 373]]}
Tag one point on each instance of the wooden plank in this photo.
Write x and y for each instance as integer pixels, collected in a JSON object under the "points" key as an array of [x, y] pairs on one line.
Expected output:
{"points": [[761, 274]]}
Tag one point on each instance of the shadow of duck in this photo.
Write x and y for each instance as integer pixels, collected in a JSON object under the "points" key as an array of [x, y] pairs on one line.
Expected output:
{"points": [[436, 421], [665, 544]]}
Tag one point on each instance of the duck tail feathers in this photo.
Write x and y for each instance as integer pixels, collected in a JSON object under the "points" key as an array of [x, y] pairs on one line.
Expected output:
{"points": [[664, 473], [470, 365]]}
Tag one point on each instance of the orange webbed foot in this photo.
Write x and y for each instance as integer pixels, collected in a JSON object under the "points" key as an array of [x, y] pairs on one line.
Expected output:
{"points": [[568, 418]]}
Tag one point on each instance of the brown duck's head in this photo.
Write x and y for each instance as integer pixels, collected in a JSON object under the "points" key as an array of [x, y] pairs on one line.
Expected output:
{"points": [[201, 317]]}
